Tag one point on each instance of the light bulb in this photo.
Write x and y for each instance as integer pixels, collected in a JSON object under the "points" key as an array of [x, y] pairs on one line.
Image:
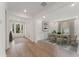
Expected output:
{"points": [[44, 17], [25, 10]]}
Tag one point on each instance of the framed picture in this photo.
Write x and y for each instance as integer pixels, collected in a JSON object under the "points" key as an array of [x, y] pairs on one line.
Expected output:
{"points": [[44, 26]]}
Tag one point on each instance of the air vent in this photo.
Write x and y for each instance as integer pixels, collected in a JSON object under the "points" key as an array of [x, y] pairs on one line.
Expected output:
{"points": [[43, 4]]}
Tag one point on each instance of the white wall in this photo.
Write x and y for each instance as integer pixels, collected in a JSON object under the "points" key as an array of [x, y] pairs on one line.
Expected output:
{"points": [[2, 29], [38, 30], [29, 29], [39, 34]]}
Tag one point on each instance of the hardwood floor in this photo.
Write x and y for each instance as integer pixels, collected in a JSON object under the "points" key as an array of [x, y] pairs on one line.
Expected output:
{"points": [[25, 48]]}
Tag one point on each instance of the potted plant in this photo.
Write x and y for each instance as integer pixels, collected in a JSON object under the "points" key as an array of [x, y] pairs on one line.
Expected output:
{"points": [[58, 32], [54, 32]]}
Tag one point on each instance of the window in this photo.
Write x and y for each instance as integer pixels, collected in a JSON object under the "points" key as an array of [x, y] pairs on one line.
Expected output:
{"points": [[17, 28]]}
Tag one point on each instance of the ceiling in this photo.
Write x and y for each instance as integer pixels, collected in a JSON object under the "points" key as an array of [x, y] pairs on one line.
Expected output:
{"points": [[33, 8]]}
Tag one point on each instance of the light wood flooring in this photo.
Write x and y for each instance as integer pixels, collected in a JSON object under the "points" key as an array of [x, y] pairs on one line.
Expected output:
{"points": [[21, 47]]}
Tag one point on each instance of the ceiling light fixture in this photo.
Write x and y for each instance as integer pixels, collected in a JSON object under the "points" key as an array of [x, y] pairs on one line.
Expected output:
{"points": [[73, 4], [25, 10], [44, 17]]}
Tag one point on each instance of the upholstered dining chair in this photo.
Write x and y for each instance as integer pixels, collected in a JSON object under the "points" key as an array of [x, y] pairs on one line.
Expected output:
{"points": [[60, 39], [68, 39], [73, 40], [52, 38]]}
